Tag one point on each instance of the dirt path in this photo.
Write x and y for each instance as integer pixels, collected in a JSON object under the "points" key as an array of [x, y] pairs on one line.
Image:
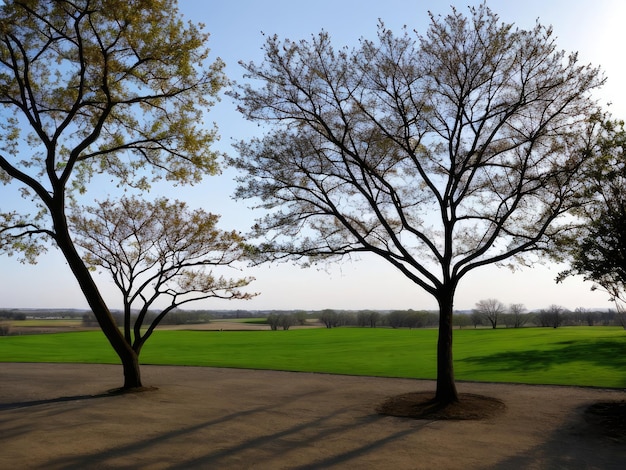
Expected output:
{"points": [[54, 416]]}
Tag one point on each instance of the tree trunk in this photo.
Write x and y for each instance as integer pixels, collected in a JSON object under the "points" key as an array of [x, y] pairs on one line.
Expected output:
{"points": [[446, 388], [132, 374], [128, 357]]}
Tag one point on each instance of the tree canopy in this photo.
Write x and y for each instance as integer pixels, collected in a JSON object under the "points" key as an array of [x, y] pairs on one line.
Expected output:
{"points": [[440, 152], [158, 252], [597, 251], [98, 87]]}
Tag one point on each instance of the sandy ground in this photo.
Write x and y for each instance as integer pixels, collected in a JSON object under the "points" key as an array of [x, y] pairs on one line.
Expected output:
{"points": [[58, 416]]}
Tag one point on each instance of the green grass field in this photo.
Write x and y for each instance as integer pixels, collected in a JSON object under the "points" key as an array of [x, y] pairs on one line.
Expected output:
{"points": [[594, 356]]}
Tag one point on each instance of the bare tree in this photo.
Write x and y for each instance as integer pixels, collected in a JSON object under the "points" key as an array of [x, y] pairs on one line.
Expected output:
{"points": [[490, 310], [155, 252], [586, 316], [440, 153], [97, 87], [552, 316], [517, 312]]}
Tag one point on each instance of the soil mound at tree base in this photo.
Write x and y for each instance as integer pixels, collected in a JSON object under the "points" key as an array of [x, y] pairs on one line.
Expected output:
{"points": [[422, 405]]}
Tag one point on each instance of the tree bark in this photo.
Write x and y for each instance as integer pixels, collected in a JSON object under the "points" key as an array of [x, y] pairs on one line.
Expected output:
{"points": [[128, 357], [446, 388], [132, 373]]}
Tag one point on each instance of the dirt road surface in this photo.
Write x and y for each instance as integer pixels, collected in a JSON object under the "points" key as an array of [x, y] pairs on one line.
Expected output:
{"points": [[59, 416]]}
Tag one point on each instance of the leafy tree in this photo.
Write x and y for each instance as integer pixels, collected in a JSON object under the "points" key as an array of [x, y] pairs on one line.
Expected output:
{"points": [[490, 310], [284, 320], [410, 319], [273, 320], [461, 320], [157, 251], [440, 153], [418, 319], [300, 317], [476, 318], [346, 319], [598, 250], [287, 320], [397, 318], [108, 89], [368, 318], [329, 318]]}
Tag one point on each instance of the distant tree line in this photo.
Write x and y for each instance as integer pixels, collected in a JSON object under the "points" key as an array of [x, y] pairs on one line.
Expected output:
{"points": [[330, 318], [372, 319], [52, 314], [493, 313], [487, 314], [513, 316], [12, 315]]}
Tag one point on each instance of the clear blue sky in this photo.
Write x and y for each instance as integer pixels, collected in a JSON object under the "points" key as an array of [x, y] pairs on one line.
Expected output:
{"points": [[595, 29]]}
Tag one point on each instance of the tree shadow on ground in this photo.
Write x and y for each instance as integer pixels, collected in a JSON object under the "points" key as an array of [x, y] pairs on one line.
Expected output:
{"points": [[240, 419], [575, 444], [266, 446], [281, 444], [47, 401], [607, 352], [608, 419]]}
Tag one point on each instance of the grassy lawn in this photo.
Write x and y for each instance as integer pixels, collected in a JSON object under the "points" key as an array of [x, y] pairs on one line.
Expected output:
{"points": [[589, 356]]}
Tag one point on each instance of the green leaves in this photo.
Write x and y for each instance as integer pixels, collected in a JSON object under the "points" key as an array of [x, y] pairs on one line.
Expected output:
{"points": [[110, 79], [22, 236], [598, 250], [102, 87]]}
